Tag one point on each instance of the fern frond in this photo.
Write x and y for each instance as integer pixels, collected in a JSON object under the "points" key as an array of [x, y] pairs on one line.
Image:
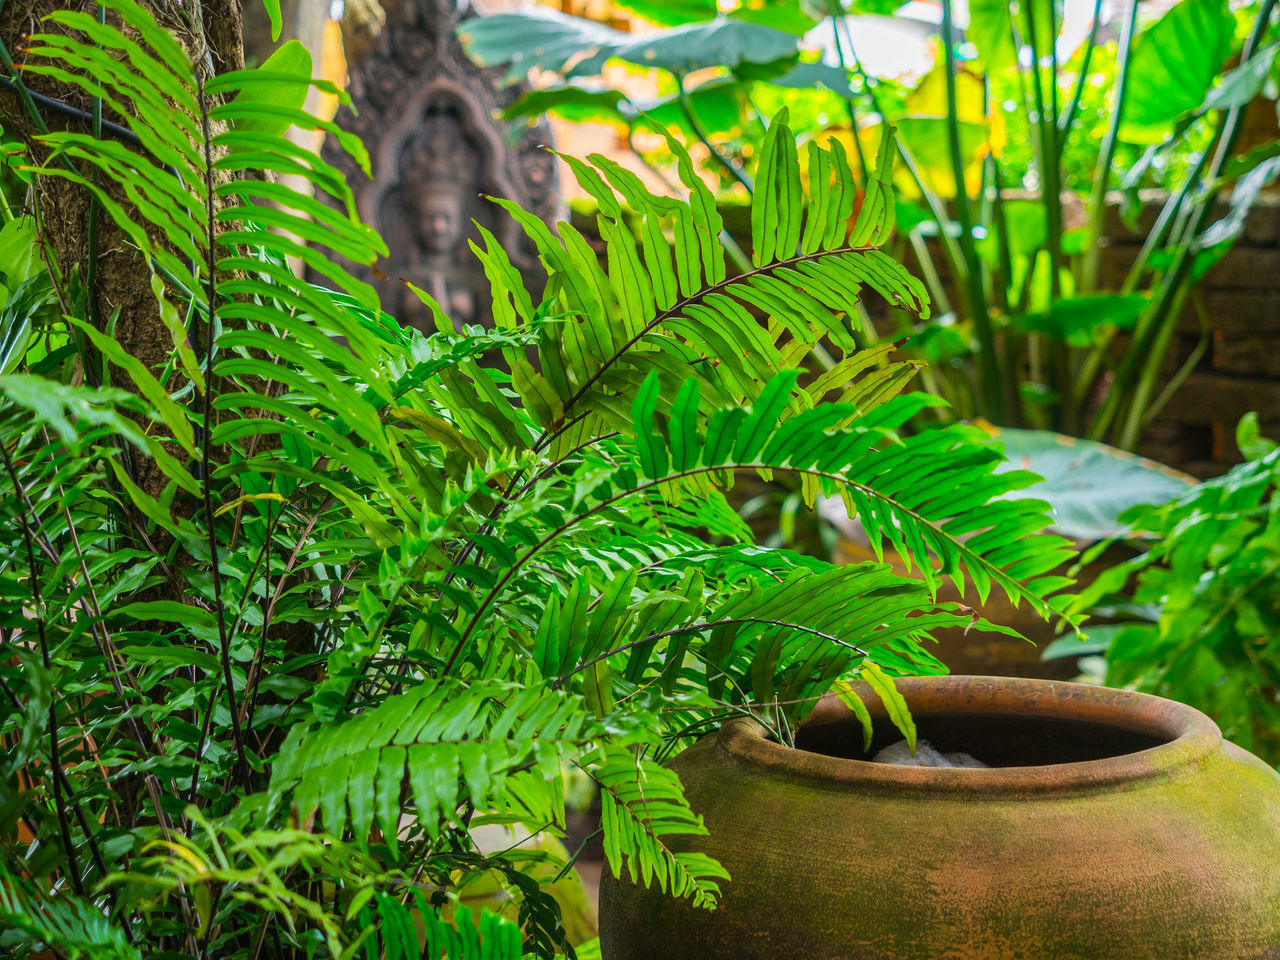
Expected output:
{"points": [[453, 742], [188, 211], [937, 497], [460, 938], [644, 806], [72, 927], [657, 298]]}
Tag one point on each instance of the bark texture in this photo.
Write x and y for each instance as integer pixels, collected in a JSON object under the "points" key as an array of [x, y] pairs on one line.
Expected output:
{"points": [[121, 289]]}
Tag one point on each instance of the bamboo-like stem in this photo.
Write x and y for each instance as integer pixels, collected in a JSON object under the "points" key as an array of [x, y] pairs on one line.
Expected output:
{"points": [[989, 372], [1106, 155], [1155, 328], [1066, 119], [935, 204], [1091, 369], [850, 102], [1047, 155]]}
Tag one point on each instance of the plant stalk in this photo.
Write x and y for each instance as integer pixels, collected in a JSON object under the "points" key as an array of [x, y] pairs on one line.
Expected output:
{"points": [[989, 372], [1097, 207], [1155, 328]]}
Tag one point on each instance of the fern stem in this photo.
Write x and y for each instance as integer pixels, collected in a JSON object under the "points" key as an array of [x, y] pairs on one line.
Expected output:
{"points": [[557, 464], [707, 625], [55, 762], [1011, 586], [241, 770], [686, 107]]}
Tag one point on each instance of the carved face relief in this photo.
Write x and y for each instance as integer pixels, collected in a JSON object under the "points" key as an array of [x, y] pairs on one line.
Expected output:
{"points": [[438, 218], [436, 173]]}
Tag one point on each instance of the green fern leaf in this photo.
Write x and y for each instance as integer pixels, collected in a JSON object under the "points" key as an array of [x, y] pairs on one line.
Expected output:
{"points": [[644, 806]]}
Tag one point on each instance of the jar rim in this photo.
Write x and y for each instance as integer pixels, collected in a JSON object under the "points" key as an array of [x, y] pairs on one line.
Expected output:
{"points": [[1189, 737]]}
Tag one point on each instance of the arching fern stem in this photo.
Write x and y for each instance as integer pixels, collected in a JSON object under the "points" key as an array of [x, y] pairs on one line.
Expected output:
{"points": [[998, 575], [548, 435], [708, 625]]}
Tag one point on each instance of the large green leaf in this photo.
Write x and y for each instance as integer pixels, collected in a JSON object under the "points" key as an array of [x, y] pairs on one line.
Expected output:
{"points": [[670, 13], [992, 25], [806, 76], [793, 16], [1088, 485], [717, 104], [724, 42], [1173, 64], [1243, 83], [571, 102], [1225, 231], [577, 47], [991, 31], [927, 138], [537, 39], [1076, 319]]}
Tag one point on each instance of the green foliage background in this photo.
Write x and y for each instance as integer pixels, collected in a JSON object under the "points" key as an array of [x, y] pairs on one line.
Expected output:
{"points": [[391, 586]]}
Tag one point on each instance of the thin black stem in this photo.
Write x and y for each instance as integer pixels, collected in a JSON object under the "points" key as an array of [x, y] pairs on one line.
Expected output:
{"points": [[555, 465], [686, 107], [697, 628], [86, 117], [206, 452], [55, 762]]}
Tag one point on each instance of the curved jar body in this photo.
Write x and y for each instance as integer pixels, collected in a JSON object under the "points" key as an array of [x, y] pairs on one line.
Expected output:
{"points": [[1110, 826]]}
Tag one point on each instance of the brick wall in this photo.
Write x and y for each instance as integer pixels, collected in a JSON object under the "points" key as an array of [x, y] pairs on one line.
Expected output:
{"points": [[1239, 370]]}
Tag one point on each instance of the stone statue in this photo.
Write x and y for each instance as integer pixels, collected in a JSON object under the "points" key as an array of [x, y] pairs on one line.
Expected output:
{"points": [[426, 114]]}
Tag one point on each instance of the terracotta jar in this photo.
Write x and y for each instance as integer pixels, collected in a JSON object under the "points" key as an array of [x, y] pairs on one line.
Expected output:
{"points": [[1109, 826]]}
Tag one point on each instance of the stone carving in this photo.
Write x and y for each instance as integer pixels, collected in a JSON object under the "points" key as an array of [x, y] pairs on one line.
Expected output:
{"points": [[426, 114]]}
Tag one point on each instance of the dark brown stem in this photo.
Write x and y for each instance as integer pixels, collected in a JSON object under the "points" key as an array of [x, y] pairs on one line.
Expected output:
{"points": [[206, 453]]}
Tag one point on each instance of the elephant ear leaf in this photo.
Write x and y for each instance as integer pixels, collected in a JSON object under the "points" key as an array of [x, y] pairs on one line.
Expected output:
{"points": [[1173, 64]]}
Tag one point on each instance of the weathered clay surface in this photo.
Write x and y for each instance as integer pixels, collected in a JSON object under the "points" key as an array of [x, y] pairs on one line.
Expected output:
{"points": [[1167, 852]]}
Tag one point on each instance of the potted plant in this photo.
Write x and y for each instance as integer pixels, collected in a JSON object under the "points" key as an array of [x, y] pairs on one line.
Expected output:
{"points": [[1106, 824]]}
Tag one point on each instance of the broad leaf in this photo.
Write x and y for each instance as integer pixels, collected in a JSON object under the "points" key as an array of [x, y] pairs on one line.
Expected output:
{"points": [[1088, 485], [1173, 64]]}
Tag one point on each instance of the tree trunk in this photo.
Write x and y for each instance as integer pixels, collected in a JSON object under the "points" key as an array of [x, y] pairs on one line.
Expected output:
{"points": [[120, 285]]}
